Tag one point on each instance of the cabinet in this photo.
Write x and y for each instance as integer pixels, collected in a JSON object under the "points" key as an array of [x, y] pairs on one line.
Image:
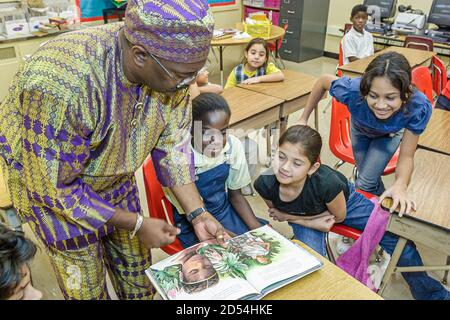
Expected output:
{"points": [[307, 26]]}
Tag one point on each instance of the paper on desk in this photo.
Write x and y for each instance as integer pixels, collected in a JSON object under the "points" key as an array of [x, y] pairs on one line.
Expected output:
{"points": [[242, 35]]}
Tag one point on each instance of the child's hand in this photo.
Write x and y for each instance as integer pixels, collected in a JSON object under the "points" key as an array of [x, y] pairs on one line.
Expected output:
{"points": [[323, 224], [277, 215], [253, 80], [399, 198]]}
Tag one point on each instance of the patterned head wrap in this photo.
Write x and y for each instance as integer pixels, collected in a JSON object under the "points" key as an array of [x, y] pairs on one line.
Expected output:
{"points": [[175, 30]]}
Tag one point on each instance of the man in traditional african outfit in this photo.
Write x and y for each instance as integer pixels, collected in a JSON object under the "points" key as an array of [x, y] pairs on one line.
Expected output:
{"points": [[81, 117]]}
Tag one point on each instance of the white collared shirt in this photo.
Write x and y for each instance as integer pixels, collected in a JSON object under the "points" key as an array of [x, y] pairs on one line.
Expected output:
{"points": [[355, 44]]}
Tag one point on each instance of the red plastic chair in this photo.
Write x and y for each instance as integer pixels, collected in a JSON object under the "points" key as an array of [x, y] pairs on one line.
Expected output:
{"points": [[439, 74], [274, 50], [420, 43], [340, 143], [155, 198], [421, 78]]}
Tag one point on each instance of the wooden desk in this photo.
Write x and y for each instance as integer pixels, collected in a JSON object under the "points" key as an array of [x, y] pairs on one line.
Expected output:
{"points": [[436, 136], [294, 91], [399, 40], [430, 224], [415, 57], [328, 283], [251, 110], [276, 33]]}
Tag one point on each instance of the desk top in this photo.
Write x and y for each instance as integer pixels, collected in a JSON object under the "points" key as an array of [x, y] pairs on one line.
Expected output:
{"points": [[328, 283], [295, 85], [429, 188], [403, 37], [414, 56], [276, 32], [245, 103], [436, 136]]}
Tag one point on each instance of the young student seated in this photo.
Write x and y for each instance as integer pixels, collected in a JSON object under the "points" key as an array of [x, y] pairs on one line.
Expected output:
{"points": [[256, 67], [357, 43], [202, 84], [312, 197], [220, 168], [16, 252]]}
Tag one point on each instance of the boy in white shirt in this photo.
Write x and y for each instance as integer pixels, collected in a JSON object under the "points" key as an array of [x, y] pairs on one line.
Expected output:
{"points": [[357, 43]]}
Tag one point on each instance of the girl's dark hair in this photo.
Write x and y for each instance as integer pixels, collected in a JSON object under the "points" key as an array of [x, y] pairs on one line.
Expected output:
{"points": [[208, 102], [357, 9], [15, 251], [393, 66], [263, 43], [307, 137]]}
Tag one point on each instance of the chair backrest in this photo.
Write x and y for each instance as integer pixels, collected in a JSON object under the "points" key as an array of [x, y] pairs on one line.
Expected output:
{"points": [[439, 74], [417, 42], [155, 198], [421, 78], [347, 27], [280, 42], [341, 60], [339, 127]]}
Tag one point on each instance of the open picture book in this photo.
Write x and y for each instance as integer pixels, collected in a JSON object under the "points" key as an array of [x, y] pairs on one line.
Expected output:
{"points": [[249, 267]]}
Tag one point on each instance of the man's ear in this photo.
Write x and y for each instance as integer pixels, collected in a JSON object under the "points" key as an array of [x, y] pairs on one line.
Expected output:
{"points": [[314, 168], [139, 55]]}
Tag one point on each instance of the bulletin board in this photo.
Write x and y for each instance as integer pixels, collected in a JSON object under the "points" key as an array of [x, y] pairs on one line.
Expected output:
{"points": [[92, 10], [219, 3]]}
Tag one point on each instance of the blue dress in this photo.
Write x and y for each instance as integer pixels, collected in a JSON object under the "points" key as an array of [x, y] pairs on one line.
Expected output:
{"points": [[211, 185]]}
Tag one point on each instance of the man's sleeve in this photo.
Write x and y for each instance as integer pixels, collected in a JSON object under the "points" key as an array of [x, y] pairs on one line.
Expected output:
{"points": [[55, 152], [172, 155]]}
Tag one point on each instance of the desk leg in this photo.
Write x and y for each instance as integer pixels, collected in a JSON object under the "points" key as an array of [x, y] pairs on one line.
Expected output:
{"points": [[221, 64], [392, 264], [316, 118]]}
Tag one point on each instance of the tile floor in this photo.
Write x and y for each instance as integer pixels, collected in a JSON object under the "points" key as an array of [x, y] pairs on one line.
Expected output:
{"points": [[43, 275]]}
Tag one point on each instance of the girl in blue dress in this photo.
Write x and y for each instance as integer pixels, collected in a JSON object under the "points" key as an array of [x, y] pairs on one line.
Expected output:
{"points": [[220, 168], [386, 111]]}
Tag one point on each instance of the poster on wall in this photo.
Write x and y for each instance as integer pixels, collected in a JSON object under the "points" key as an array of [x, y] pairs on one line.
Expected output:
{"points": [[92, 10], [219, 3]]}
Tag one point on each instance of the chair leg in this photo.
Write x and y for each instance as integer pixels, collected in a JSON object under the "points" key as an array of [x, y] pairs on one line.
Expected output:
{"points": [[354, 174], [329, 251], [445, 279], [327, 107], [338, 165]]}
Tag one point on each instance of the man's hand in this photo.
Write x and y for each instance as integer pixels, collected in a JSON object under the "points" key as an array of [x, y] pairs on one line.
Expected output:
{"points": [[156, 233], [208, 228]]}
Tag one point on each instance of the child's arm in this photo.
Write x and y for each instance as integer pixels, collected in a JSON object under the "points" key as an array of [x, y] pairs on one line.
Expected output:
{"points": [[273, 77], [212, 88], [405, 167], [320, 88], [321, 222], [243, 209], [194, 91], [338, 207]]}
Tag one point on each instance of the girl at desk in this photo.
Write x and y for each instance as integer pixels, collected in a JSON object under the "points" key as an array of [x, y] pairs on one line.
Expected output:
{"points": [[386, 112], [256, 67], [312, 197], [221, 171]]}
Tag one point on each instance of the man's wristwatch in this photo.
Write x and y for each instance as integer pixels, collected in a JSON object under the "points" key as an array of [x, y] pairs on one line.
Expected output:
{"points": [[194, 214]]}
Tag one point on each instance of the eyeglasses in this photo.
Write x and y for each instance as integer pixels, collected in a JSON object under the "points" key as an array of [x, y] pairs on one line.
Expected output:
{"points": [[180, 84]]}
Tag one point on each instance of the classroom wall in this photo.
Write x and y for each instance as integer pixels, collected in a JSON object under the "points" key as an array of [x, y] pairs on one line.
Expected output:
{"points": [[339, 14]]}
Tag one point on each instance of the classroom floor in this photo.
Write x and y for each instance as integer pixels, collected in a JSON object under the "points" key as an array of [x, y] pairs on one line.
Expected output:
{"points": [[43, 276]]}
